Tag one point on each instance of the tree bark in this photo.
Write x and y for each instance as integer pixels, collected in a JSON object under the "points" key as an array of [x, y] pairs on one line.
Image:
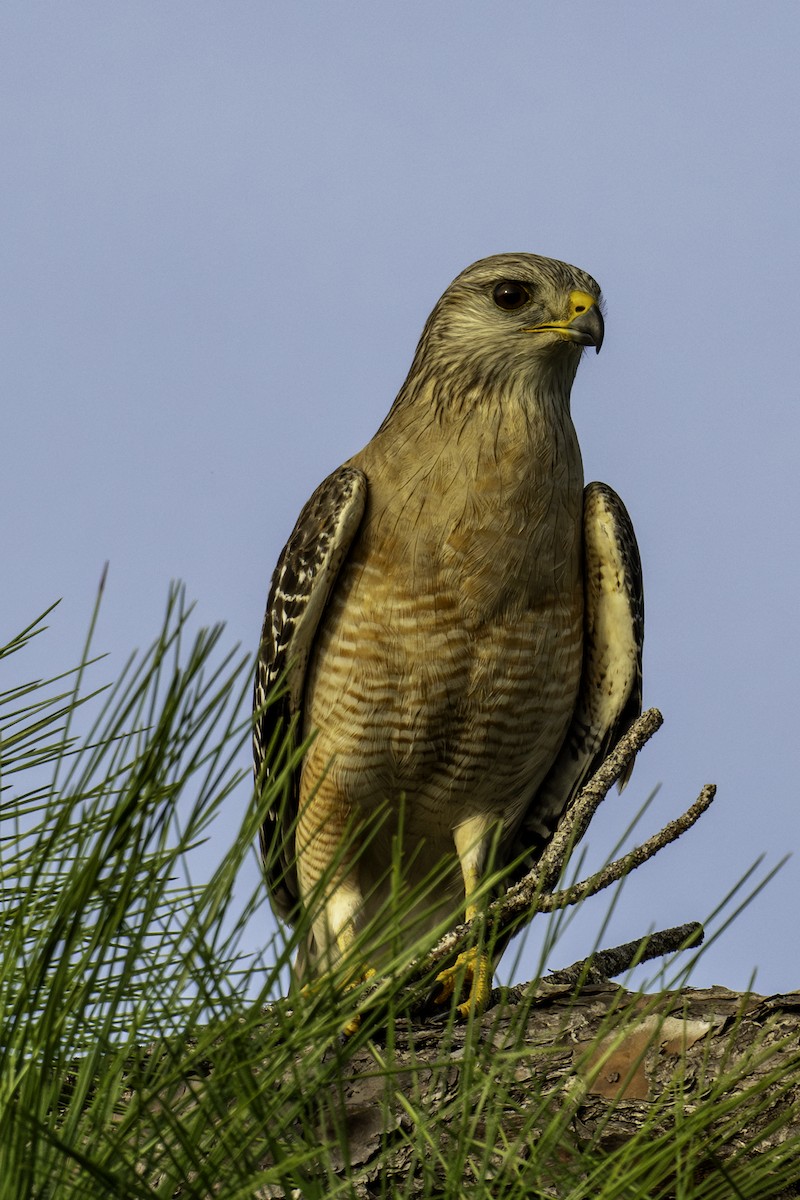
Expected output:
{"points": [[603, 1064]]}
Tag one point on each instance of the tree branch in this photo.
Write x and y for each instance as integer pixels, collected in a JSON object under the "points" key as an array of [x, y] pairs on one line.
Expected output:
{"points": [[605, 964], [550, 901], [530, 895]]}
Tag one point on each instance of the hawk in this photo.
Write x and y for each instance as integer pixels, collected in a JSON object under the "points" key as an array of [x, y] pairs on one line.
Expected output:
{"points": [[458, 625]]}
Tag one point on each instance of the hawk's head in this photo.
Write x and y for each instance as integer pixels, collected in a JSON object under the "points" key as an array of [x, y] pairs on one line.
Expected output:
{"points": [[509, 320]]}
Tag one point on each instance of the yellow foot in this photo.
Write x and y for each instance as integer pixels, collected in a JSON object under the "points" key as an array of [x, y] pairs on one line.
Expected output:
{"points": [[355, 978], [472, 972], [350, 1026]]}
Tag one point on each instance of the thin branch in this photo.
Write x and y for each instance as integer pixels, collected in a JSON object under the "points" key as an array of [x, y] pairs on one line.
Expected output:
{"points": [[605, 964], [524, 898], [550, 901], [576, 820], [532, 894]]}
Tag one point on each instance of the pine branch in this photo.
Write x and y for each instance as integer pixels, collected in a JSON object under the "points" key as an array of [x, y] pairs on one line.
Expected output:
{"points": [[606, 964]]}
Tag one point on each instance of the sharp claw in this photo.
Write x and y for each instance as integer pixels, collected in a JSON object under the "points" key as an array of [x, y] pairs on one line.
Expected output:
{"points": [[352, 1023], [350, 1028], [471, 969]]}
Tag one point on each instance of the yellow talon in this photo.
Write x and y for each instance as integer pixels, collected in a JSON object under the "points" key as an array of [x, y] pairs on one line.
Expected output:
{"points": [[351, 1025], [473, 970], [355, 978]]}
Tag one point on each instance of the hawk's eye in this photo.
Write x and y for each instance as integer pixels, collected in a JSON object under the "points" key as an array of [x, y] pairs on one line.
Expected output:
{"points": [[511, 295]]}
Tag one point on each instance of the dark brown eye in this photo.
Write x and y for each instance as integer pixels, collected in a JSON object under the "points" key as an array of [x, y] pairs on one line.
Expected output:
{"points": [[511, 295]]}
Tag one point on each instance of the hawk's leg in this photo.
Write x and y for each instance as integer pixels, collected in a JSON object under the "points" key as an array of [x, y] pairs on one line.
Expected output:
{"points": [[473, 969], [328, 878]]}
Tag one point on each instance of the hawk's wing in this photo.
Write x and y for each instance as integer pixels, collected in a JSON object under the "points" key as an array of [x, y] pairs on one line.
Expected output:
{"points": [[301, 585], [610, 695]]}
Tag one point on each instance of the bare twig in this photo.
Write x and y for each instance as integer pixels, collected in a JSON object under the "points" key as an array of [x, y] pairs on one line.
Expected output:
{"points": [[575, 822], [550, 901], [524, 899], [605, 964], [533, 894]]}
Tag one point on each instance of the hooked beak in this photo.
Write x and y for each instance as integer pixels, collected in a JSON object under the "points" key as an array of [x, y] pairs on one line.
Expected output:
{"points": [[583, 325]]}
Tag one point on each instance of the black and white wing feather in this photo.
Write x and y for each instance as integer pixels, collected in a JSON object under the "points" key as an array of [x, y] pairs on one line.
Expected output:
{"points": [[610, 695], [301, 585]]}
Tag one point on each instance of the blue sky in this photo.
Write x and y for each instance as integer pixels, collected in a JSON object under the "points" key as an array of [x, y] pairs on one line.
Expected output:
{"points": [[223, 228]]}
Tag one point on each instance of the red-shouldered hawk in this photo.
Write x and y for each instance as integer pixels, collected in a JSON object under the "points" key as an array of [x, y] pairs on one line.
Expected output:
{"points": [[459, 620]]}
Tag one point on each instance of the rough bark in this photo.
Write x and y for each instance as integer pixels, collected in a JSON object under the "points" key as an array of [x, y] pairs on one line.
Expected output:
{"points": [[604, 1063], [592, 1071]]}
